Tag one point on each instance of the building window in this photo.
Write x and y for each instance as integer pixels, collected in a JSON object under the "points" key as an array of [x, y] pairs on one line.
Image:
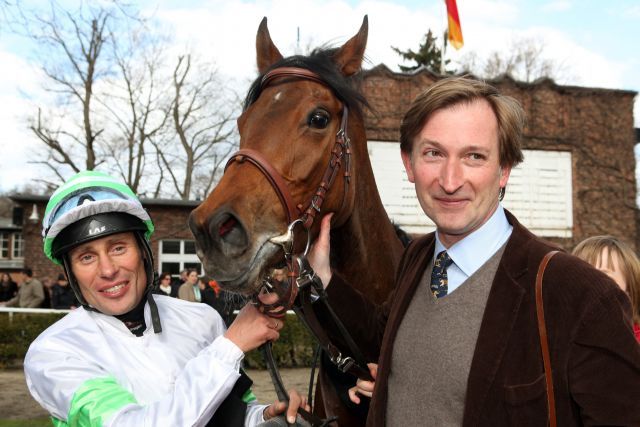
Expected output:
{"points": [[18, 245], [176, 255], [539, 191], [4, 245]]}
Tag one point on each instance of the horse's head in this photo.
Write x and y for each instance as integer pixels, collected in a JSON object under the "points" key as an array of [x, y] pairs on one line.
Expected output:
{"points": [[290, 134]]}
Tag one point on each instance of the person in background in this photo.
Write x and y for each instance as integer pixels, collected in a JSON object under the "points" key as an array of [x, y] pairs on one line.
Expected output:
{"points": [[30, 292], [189, 290], [213, 296], [127, 357], [47, 285], [619, 261], [179, 281], [166, 286], [227, 302], [8, 288], [62, 296]]}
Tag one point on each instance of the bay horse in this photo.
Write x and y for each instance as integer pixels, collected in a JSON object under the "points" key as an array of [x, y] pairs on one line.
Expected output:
{"points": [[293, 115]]}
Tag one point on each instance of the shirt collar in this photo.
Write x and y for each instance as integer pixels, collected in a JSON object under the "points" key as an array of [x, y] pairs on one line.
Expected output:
{"points": [[474, 250]]}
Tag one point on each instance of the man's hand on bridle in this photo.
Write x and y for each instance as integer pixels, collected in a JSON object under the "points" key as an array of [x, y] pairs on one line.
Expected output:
{"points": [[319, 254]]}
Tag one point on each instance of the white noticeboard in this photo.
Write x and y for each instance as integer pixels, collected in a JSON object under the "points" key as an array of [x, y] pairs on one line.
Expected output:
{"points": [[539, 192]]}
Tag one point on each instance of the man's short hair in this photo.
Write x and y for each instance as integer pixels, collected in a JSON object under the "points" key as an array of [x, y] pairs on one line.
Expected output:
{"points": [[458, 90], [27, 271]]}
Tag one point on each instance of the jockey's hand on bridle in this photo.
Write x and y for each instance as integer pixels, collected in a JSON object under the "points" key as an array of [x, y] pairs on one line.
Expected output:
{"points": [[319, 255], [251, 328], [291, 407]]}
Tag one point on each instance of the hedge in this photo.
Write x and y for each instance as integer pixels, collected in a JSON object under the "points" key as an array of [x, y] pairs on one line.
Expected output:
{"points": [[294, 348], [17, 334]]}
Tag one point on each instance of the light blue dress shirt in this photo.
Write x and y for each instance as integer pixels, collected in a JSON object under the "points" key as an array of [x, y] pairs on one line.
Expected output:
{"points": [[470, 253]]}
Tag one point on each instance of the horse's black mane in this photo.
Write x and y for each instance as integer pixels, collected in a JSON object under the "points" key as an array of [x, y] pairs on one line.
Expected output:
{"points": [[320, 61]]}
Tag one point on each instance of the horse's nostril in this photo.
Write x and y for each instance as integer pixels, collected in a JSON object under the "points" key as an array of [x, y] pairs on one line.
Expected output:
{"points": [[227, 226], [229, 234]]}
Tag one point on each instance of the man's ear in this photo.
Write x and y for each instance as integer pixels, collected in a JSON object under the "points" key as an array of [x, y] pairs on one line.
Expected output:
{"points": [[505, 171], [406, 160]]}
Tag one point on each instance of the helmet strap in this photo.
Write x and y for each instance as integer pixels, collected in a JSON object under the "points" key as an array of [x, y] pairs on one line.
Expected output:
{"points": [[74, 283], [152, 280]]}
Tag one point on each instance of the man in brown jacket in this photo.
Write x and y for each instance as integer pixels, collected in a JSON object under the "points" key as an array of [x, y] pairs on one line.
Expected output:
{"points": [[30, 292], [458, 338]]}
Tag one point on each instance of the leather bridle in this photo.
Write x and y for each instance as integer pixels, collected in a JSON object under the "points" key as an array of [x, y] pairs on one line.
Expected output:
{"points": [[341, 151]]}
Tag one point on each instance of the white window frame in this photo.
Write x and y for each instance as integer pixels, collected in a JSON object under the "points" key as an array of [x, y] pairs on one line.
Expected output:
{"points": [[4, 245], [539, 192], [17, 246], [181, 258]]}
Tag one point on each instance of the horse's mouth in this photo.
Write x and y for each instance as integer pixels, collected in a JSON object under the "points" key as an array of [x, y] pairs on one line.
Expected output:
{"points": [[261, 268]]}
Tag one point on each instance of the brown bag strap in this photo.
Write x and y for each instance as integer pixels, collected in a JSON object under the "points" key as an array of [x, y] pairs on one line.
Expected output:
{"points": [[544, 343]]}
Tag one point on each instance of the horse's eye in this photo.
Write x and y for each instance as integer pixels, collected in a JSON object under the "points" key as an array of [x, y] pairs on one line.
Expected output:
{"points": [[319, 119]]}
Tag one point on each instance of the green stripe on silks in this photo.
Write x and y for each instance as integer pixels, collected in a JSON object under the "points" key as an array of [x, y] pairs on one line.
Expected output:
{"points": [[94, 402], [248, 396]]}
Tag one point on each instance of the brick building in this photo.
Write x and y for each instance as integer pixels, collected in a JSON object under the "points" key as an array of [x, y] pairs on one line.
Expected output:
{"points": [[577, 180]]}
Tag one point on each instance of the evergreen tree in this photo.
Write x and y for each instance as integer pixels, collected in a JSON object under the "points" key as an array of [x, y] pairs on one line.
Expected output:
{"points": [[428, 55]]}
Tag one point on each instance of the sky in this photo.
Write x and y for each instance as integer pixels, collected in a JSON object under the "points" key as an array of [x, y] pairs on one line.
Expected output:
{"points": [[595, 42]]}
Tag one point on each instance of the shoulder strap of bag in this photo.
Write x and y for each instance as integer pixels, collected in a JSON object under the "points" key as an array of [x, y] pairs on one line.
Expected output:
{"points": [[544, 343]]}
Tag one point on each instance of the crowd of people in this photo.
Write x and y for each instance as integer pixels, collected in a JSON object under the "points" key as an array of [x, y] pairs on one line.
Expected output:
{"points": [[30, 292]]}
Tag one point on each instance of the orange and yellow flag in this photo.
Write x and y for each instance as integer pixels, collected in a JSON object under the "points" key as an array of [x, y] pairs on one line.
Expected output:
{"points": [[455, 30]]}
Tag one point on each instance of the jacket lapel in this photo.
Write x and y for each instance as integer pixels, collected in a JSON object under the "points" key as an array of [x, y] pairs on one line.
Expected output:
{"points": [[499, 317]]}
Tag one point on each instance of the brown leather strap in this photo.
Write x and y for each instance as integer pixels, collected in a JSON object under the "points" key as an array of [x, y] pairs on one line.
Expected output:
{"points": [[295, 72], [274, 178], [544, 342]]}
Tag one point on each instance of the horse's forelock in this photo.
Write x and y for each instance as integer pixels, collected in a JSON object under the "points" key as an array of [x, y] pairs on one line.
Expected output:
{"points": [[320, 62]]}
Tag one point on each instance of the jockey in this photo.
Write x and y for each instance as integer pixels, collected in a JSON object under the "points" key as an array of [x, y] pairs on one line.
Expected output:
{"points": [[128, 357]]}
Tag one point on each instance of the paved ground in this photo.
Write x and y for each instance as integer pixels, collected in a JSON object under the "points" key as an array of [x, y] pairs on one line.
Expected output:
{"points": [[16, 402]]}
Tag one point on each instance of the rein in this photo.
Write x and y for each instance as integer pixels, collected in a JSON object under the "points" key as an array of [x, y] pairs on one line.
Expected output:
{"points": [[303, 287]]}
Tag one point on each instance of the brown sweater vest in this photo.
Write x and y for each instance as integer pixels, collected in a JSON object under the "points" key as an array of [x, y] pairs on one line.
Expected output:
{"points": [[433, 350]]}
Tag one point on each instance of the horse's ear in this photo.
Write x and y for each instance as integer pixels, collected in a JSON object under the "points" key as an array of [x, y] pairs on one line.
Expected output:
{"points": [[266, 52], [349, 56]]}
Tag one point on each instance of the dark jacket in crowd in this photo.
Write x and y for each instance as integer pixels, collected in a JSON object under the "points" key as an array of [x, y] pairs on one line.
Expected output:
{"points": [[62, 297], [8, 290]]}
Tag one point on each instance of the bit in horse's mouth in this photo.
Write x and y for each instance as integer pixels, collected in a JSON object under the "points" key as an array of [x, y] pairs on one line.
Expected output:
{"points": [[275, 277], [246, 282]]}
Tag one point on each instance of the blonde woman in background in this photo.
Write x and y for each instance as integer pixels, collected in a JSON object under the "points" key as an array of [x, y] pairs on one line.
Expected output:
{"points": [[619, 261]]}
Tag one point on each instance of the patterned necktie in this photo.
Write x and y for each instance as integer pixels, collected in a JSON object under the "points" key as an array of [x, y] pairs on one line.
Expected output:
{"points": [[439, 279]]}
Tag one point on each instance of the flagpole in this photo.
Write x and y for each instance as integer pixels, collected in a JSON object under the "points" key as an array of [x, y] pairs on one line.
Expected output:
{"points": [[444, 38]]}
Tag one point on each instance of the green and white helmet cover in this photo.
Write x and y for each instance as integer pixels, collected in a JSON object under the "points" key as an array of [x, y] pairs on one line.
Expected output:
{"points": [[86, 194]]}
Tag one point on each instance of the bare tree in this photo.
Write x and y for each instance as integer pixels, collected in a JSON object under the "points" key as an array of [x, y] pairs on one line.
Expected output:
{"points": [[136, 104], [523, 60], [115, 104], [74, 44], [204, 124]]}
